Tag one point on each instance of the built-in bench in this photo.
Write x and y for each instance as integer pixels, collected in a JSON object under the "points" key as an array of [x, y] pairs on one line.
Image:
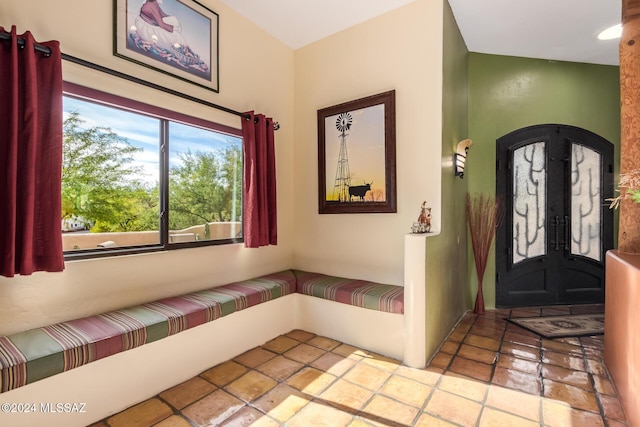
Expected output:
{"points": [[359, 293], [110, 384], [30, 356]]}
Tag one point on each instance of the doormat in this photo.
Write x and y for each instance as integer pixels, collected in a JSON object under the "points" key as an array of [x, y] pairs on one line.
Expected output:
{"points": [[576, 325]]}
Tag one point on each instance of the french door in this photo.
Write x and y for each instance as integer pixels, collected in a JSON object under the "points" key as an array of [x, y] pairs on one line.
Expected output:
{"points": [[552, 181]]}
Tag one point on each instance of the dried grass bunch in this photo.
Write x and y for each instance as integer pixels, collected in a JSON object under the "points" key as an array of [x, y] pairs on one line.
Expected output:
{"points": [[628, 187], [483, 216]]}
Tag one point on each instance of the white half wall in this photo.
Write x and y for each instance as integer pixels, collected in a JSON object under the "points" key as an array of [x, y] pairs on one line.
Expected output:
{"points": [[110, 385]]}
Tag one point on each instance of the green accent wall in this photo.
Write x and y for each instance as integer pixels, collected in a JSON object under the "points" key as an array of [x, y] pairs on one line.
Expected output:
{"points": [[447, 290], [508, 93]]}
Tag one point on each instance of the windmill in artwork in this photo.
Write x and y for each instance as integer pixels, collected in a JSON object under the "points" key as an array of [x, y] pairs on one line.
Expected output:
{"points": [[343, 176]]}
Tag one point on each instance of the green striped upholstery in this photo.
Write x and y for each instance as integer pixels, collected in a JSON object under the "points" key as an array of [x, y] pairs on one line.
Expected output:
{"points": [[360, 293], [31, 355]]}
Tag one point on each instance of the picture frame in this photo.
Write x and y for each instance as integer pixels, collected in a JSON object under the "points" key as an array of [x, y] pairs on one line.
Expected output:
{"points": [[183, 45], [357, 156]]}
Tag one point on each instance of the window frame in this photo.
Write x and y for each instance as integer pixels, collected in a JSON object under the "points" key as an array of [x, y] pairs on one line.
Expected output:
{"points": [[164, 116]]}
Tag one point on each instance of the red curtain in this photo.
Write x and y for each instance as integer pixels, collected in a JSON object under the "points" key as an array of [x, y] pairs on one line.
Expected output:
{"points": [[259, 184], [30, 157]]}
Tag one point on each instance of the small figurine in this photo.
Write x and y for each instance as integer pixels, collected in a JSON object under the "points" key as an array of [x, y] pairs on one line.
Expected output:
{"points": [[423, 225]]}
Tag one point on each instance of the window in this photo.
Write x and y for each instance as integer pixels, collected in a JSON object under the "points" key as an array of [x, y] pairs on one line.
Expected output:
{"points": [[140, 178]]}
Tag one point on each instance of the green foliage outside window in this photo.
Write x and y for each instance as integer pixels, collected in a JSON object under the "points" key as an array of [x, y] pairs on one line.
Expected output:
{"points": [[99, 183], [102, 185], [205, 188]]}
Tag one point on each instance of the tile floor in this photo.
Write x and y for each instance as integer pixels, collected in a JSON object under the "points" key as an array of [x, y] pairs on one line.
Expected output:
{"points": [[488, 372]]}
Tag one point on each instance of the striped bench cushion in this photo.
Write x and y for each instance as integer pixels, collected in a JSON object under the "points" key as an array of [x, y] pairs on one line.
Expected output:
{"points": [[375, 296], [31, 355]]}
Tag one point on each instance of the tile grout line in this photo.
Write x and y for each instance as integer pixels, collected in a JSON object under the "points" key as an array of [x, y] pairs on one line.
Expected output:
{"points": [[539, 374], [300, 369], [377, 392], [541, 379], [175, 410], [615, 390], [493, 369], [587, 369], [250, 404], [436, 386], [491, 326], [374, 393]]}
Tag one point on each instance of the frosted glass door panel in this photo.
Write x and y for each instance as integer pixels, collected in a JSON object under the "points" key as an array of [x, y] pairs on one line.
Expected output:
{"points": [[586, 201], [529, 202]]}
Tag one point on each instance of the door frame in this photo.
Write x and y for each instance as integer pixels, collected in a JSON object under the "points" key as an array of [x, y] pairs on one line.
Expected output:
{"points": [[505, 146]]}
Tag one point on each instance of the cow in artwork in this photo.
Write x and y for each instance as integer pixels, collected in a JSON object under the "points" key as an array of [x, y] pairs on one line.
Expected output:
{"points": [[359, 191]]}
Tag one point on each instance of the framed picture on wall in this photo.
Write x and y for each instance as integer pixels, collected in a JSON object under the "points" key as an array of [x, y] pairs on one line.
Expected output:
{"points": [[357, 156], [175, 37]]}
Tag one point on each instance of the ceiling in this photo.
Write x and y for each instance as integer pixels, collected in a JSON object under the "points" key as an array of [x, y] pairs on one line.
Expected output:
{"points": [[563, 30]]}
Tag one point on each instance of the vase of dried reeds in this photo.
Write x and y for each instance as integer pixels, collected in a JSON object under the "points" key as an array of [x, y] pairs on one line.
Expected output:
{"points": [[482, 216]]}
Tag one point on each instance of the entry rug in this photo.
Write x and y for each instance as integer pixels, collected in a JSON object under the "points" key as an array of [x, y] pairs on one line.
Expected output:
{"points": [[576, 325]]}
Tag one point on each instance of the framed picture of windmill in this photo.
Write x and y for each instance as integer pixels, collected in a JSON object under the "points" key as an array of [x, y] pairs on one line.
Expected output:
{"points": [[357, 156]]}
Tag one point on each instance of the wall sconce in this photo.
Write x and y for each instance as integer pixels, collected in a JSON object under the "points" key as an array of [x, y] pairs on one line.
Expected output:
{"points": [[460, 156]]}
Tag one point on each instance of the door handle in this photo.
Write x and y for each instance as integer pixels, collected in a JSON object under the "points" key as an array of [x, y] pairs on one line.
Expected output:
{"points": [[566, 233], [556, 223]]}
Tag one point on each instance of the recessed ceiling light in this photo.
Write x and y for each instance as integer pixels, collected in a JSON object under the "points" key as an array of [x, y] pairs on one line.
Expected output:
{"points": [[613, 32]]}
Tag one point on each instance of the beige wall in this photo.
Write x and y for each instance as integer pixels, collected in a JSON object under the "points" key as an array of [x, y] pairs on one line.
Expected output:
{"points": [[256, 72], [400, 50]]}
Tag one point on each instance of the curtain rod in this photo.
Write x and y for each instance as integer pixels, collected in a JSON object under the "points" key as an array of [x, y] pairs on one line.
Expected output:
{"points": [[38, 47], [46, 51]]}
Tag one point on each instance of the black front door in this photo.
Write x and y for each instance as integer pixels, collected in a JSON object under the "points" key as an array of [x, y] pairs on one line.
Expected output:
{"points": [[553, 181]]}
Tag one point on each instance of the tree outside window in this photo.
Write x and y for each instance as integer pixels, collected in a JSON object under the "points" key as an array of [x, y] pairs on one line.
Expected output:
{"points": [[114, 181]]}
